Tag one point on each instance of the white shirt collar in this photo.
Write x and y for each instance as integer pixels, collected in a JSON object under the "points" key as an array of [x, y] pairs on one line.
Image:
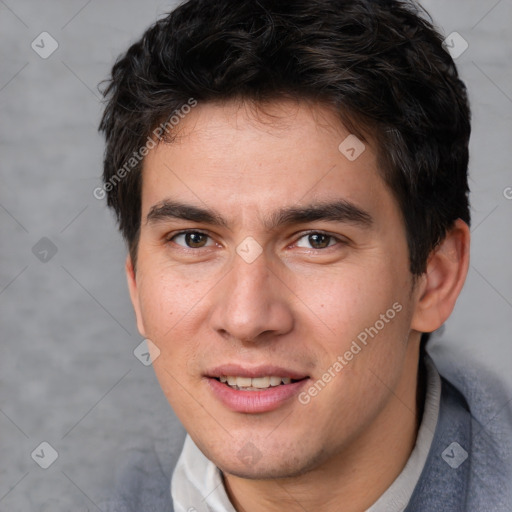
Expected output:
{"points": [[197, 486]]}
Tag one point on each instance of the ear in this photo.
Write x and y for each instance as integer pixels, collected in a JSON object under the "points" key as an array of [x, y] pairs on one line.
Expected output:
{"points": [[439, 287], [134, 294]]}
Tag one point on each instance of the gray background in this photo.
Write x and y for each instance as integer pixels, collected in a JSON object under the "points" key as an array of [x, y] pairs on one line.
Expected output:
{"points": [[68, 375]]}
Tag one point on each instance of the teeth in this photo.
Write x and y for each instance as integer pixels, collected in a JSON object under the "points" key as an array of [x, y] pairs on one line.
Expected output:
{"points": [[255, 383], [243, 382], [260, 382]]}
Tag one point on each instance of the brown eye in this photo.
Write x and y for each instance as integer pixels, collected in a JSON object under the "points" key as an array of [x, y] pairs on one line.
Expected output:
{"points": [[191, 239], [317, 240]]}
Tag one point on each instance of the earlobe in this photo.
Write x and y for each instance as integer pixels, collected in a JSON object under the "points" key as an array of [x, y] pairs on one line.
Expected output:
{"points": [[443, 280], [134, 294]]}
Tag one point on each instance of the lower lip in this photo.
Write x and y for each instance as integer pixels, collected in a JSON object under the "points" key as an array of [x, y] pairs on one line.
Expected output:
{"points": [[255, 401]]}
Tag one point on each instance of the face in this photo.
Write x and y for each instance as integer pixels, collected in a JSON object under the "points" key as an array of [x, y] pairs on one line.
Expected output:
{"points": [[273, 259]]}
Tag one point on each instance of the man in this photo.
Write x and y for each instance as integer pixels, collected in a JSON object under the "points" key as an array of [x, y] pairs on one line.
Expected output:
{"points": [[291, 181]]}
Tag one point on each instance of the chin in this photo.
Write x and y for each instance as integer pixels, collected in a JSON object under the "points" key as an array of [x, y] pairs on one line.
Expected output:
{"points": [[261, 473], [267, 466]]}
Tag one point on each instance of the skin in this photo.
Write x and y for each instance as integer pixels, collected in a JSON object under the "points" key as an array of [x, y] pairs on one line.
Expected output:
{"points": [[299, 305]]}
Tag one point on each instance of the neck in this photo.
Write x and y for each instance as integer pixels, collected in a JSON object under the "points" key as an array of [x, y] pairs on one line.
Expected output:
{"points": [[356, 477]]}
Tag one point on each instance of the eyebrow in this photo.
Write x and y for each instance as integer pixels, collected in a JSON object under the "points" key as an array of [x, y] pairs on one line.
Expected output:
{"points": [[340, 210]]}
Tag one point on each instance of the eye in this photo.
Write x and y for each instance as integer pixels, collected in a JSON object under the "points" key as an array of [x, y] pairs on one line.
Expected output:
{"points": [[317, 240], [191, 239]]}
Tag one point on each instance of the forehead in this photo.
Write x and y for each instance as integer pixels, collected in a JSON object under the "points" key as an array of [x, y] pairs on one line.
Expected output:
{"points": [[280, 124], [261, 156]]}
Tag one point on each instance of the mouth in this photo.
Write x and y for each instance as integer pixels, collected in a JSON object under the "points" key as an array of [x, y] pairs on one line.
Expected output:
{"points": [[254, 390], [255, 383]]}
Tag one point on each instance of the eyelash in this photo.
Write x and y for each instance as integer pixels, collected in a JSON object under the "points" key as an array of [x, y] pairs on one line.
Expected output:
{"points": [[304, 234]]}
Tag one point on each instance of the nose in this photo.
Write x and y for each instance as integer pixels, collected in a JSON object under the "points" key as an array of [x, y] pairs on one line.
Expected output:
{"points": [[252, 303]]}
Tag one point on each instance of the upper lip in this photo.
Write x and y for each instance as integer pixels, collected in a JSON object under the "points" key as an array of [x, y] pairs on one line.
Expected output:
{"points": [[236, 370]]}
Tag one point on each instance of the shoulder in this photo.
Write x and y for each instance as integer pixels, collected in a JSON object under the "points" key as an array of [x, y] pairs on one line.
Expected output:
{"points": [[489, 405], [143, 482], [469, 467]]}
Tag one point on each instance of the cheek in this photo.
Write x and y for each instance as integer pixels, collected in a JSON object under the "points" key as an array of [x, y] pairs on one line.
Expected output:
{"points": [[169, 307], [346, 302], [165, 298], [158, 307]]}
